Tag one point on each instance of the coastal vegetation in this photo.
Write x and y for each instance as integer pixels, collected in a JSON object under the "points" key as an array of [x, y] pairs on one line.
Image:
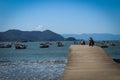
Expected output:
{"points": [[17, 35]]}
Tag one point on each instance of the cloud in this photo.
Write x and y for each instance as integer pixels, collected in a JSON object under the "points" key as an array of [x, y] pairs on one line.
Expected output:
{"points": [[40, 28]]}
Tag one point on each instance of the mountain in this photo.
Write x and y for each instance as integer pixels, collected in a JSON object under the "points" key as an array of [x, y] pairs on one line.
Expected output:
{"points": [[47, 35], [95, 36], [17, 35], [70, 39]]}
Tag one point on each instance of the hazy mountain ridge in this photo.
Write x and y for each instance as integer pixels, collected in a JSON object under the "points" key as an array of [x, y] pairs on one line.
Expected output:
{"points": [[96, 36], [47, 35], [16, 35]]}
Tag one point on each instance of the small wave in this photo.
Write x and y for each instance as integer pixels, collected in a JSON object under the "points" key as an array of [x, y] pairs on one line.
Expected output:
{"points": [[5, 62], [25, 62], [44, 61], [32, 70]]}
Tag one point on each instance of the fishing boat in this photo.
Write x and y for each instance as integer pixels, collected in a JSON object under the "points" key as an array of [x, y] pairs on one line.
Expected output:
{"points": [[44, 46], [2, 45], [60, 44], [104, 46], [8, 46], [20, 46], [112, 44]]}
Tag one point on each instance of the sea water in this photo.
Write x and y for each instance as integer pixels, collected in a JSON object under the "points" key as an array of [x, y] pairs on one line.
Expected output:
{"points": [[33, 63], [36, 63]]}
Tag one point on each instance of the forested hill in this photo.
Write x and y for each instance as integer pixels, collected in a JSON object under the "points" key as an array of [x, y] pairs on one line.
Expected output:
{"points": [[18, 35]]}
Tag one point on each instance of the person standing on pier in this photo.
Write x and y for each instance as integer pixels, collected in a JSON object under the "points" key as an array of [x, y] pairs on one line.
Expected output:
{"points": [[91, 41], [82, 42]]}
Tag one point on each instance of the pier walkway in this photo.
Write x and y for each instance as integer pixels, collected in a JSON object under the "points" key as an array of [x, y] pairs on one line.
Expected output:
{"points": [[90, 63]]}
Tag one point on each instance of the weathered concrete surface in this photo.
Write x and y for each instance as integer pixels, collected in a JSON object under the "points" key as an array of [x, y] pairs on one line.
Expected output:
{"points": [[90, 63]]}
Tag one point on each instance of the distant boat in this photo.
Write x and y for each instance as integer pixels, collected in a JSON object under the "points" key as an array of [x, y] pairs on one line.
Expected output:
{"points": [[8, 46], [2, 45], [44, 46], [104, 46], [59, 44], [20, 46], [112, 44], [46, 42]]}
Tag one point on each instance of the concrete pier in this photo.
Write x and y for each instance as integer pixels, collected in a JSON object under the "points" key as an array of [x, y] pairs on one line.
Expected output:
{"points": [[90, 63]]}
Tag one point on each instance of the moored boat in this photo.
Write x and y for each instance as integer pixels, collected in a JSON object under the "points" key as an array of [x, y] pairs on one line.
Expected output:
{"points": [[59, 44], [104, 46], [44, 46], [112, 44], [2, 45], [20, 46]]}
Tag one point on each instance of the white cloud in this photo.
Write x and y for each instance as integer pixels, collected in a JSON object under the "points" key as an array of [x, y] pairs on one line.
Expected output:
{"points": [[40, 28]]}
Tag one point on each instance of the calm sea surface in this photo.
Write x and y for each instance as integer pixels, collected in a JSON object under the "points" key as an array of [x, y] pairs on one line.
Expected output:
{"points": [[36, 63]]}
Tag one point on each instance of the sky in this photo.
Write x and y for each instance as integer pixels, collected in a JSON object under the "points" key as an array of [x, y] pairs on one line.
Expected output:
{"points": [[61, 16]]}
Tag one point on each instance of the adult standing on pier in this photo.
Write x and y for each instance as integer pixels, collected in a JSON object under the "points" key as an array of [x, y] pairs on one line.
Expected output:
{"points": [[82, 42], [91, 41]]}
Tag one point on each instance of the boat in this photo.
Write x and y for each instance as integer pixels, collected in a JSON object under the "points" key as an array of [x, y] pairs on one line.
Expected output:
{"points": [[60, 44], [2, 45], [8, 46], [46, 43], [20, 46], [44, 46], [112, 44], [104, 46]]}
